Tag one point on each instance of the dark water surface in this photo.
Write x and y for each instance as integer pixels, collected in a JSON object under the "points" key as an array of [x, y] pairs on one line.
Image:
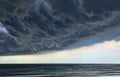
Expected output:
{"points": [[59, 70]]}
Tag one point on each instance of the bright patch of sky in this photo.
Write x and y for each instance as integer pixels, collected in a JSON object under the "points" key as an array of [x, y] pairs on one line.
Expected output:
{"points": [[3, 29]]}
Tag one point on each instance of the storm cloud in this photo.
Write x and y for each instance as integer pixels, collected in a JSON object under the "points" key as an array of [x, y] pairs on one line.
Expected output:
{"points": [[42, 25]]}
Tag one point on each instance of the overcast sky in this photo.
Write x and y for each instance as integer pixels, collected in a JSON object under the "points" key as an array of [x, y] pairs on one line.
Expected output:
{"points": [[105, 52]]}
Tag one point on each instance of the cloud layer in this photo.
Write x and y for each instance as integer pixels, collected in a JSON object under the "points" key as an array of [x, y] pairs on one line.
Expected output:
{"points": [[42, 25]]}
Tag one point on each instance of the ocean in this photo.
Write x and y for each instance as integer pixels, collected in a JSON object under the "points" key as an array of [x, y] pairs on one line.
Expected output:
{"points": [[59, 70]]}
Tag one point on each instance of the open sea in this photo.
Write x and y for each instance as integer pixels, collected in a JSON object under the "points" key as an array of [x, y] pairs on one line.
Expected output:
{"points": [[59, 70]]}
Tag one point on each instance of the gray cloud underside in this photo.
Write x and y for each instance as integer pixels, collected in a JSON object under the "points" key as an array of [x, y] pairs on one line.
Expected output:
{"points": [[38, 25]]}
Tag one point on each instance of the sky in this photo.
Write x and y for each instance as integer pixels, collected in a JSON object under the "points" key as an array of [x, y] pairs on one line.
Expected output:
{"points": [[89, 50], [104, 52], [3, 29]]}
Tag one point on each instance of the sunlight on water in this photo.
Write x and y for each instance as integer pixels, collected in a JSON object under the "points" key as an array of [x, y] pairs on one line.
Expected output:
{"points": [[107, 52], [110, 76]]}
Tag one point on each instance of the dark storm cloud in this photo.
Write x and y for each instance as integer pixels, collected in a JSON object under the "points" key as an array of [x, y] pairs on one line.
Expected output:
{"points": [[39, 25]]}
